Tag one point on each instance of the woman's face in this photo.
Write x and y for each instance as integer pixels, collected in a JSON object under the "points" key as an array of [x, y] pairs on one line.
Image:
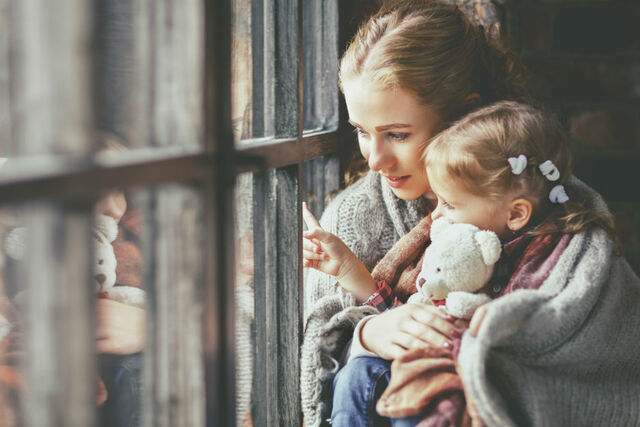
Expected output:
{"points": [[392, 128]]}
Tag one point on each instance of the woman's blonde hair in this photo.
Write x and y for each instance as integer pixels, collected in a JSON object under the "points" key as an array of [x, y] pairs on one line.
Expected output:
{"points": [[431, 49], [475, 150]]}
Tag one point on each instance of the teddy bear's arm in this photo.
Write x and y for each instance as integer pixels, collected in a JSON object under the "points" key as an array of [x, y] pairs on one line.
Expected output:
{"points": [[416, 298], [127, 295], [464, 304]]}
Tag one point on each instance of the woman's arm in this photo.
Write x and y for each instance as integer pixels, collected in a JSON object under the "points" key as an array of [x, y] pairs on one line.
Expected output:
{"points": [[120, 328], [327, 253]]}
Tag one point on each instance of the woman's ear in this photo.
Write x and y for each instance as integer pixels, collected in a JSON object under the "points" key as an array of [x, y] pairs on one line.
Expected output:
{"points": [[473, 99], [520, 211]]}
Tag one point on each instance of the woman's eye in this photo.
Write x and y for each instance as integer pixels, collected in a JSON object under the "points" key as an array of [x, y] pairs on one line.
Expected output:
{"points": [[359, 132], [398, 136], [447, 205]]}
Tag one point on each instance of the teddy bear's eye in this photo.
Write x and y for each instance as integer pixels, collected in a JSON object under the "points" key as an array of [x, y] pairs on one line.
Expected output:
{"points": [[100, 262], [438, 270]]}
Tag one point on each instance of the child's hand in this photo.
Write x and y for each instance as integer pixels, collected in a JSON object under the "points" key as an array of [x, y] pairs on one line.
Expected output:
{"points": [[327, 253]]}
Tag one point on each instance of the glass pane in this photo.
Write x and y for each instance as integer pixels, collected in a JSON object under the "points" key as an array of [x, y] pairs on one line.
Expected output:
{"points": [[75, 79], [321, 182], [133, 269], [46, 332], [244, 292], [172, 242], [149, 73], [242, 72], [320, 40], [45, 83]]}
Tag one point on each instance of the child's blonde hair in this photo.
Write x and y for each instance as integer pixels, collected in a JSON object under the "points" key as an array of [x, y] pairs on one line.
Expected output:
{"points": [[476, 150]]}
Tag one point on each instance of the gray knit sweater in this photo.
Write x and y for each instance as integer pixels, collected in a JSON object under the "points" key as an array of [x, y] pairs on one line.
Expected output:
{"points": [[565, 354], [369, 218]]}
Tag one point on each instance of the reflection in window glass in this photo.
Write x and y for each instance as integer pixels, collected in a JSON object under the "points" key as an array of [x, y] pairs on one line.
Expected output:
{"points": [[46, 335], [245, 346], [45, 84], [172, 247], [134, 264], [320, 39], [241, 70], [149, 72]]}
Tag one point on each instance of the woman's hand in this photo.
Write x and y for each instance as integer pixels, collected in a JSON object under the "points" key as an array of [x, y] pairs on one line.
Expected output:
{"points": [[407, 327], [322, 250], [327, 253], [120, 328]]}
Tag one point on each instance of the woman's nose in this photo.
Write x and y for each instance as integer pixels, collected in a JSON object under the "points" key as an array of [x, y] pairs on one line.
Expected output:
{"points": [[380, 158]]}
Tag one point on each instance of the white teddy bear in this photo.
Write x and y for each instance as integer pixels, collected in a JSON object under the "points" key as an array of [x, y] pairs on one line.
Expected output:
{"points": [[458, 262], [105, 231]]}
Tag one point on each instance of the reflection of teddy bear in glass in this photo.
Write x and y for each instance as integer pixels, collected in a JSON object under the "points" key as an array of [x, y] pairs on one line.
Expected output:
{"points": [[105, 231]]}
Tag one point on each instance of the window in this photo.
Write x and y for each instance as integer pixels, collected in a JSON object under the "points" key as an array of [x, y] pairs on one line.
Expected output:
{"points": [[285, 114], [132, 99]]}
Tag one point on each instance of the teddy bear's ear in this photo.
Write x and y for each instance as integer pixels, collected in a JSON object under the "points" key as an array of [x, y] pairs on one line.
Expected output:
{"points": [[489, 246], [107, 226], [437, 226]]}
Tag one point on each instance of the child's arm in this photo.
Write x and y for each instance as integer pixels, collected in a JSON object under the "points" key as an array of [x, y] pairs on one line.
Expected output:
{"points": [[327, 253]]}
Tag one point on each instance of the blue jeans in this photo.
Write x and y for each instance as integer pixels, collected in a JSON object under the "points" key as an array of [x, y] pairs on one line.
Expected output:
{"points": [[122, 376], [356, 389]]}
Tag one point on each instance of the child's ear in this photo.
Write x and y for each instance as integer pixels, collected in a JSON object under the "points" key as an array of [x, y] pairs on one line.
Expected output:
{"points": [[520, 211]]}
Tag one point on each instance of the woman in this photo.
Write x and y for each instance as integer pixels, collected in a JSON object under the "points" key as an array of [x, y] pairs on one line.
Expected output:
{"points": [[412, 69]]}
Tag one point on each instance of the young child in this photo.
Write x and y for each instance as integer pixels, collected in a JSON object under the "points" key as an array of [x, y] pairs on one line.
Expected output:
{"points": [[502, 168]]}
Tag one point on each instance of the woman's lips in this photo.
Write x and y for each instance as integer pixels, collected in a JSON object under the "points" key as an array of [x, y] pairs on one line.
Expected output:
{"points": [[397, 181]]}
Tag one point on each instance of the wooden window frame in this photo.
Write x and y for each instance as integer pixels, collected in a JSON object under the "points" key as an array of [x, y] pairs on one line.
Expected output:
{"points": [[278, 167]]}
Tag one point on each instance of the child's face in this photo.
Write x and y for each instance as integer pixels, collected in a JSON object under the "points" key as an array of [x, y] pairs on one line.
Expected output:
{"points": [[457, 205]]}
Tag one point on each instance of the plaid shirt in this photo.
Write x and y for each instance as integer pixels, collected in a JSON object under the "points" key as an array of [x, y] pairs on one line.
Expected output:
{"points": [[382, 299]]}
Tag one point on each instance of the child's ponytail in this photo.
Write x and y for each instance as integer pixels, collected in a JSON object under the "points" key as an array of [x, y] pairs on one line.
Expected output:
{"points": [[575, 217]]}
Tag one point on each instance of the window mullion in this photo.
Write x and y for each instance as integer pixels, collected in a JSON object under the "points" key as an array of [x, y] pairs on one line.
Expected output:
{"points": [[276, 397]]}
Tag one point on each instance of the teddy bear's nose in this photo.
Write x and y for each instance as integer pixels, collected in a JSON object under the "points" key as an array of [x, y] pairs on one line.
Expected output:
{"points": [[100, 278]]}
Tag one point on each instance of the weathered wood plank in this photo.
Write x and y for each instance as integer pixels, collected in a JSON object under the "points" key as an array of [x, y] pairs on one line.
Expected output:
{"points": [[170, 113], [276, 397], [5, 80], [286, 57], [320, 34], [219, 332], [173, 363], [58, 365], [50, 79], [46, 88], [242, 69], [177, 63], [321, 178]]}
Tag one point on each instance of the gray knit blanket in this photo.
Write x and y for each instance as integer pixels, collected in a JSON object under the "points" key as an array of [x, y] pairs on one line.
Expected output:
{"points": [[565, 354]]}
